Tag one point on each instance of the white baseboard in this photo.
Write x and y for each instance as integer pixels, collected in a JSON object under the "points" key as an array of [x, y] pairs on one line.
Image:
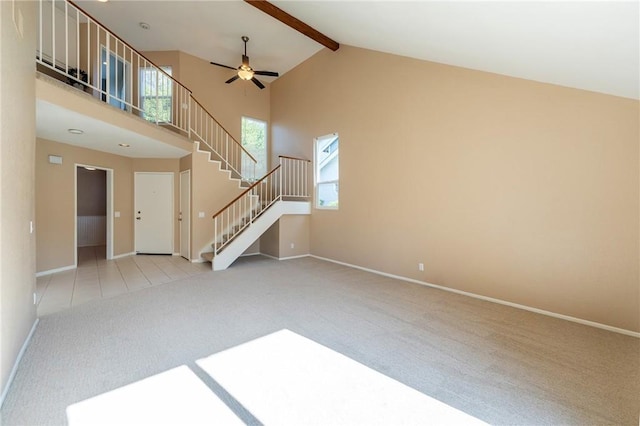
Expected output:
{"points": [[269, 256], [284, 258], [294, 257], [198, 261], [17, 362], [490, 299], [123, 255], [250, 254], [53, 271]]}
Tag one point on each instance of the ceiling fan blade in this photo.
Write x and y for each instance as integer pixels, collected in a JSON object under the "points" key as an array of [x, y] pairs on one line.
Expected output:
{"points": [[223, 66], [257, 83], [267, 73], [232, 79]]}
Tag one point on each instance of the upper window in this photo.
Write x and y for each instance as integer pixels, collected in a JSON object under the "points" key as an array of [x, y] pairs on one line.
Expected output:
{"points": [[156, 94], [327, 171], [254, 140]]}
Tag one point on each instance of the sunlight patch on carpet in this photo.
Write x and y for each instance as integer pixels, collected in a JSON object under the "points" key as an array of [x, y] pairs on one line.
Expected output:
{"points": [[286, 379], [174, 397]]}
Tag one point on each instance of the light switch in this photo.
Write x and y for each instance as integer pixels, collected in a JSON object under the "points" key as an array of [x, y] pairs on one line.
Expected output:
{"points": [[116, 214], [201, 215]]}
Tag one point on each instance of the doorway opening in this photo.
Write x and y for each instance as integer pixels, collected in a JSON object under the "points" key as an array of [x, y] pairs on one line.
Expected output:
{"points": [[94, 236]]}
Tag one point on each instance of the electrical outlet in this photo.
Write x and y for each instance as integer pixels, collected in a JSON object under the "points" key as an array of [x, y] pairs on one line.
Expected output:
{"points": [[293, 245], [421, 267], [201, 215], [34, 298]]}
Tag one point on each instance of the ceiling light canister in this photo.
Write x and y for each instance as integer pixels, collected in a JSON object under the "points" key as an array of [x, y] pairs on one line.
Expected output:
{"points": [[144, 25], [124, 145], [75, 131]]}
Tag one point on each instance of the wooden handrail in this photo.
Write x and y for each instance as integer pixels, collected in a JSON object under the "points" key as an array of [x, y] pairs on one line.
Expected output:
{"points": [[294, 158], [128, 45], [245, 191], [222, 127]]}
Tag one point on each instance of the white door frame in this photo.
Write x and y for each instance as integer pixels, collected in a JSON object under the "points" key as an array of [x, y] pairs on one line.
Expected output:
{"points": [[109, 211], [173, 208], [186, 174]]}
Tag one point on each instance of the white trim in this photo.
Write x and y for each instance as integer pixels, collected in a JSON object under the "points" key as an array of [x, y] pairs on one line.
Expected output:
{"points": [[199, 260], [18, 359], [188, 216], [75, 215], [285, 258], [118, 256], [490, 299], [269, 256], [175, 254], [294, 257], [110, 214], [110, 210], [251, 254], [53, 271]]}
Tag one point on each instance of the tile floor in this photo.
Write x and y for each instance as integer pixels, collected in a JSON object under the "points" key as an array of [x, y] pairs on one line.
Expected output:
{"points": [[98, 278]]}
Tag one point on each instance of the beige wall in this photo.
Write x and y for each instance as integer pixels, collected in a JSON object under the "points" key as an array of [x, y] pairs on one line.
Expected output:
{"points": [[294, 229], [270, 241], [55, 203], [288, 230], [503, 187], [17, 209], [166, 58]]}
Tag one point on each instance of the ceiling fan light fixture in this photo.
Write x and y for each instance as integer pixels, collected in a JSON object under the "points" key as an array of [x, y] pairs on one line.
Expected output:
{"points": [[245, 73]]}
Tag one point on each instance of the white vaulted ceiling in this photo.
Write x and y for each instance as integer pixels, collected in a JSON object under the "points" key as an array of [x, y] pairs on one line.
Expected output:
{"points": [[591, 45]]}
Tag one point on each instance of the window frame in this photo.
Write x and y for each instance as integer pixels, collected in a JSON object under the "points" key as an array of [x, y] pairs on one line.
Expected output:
{"points": [[266, 144], [141, 97], [316, 172]]}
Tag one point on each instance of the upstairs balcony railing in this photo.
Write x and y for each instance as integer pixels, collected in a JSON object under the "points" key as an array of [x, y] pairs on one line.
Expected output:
{"points": [[74, 47]]}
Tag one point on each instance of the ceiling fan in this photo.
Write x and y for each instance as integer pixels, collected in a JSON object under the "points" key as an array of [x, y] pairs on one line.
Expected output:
{"points": [[245, 72]]}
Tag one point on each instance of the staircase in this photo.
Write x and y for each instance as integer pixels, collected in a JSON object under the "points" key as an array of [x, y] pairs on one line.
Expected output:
{"points": [[76, 49], [284, 190]]}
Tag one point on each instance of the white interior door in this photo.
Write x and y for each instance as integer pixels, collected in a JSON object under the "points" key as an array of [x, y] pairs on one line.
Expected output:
{"points": [[185, 213], [154, 213]]}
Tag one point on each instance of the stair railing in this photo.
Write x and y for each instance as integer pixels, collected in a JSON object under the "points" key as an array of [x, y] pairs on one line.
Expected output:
{"points": [[288, 180], [240, 213], [294, 177], [77, 49], [219, 142]]}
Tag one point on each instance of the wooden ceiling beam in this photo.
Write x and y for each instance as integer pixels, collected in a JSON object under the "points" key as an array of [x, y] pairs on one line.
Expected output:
{"points": [[294, 23]]}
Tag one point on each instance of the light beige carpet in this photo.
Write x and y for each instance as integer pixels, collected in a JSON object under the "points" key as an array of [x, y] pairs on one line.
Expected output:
{"points": [[497, 364]]}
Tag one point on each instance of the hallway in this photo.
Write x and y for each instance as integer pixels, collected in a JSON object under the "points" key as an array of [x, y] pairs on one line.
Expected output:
{"points": [[98, 278]]}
